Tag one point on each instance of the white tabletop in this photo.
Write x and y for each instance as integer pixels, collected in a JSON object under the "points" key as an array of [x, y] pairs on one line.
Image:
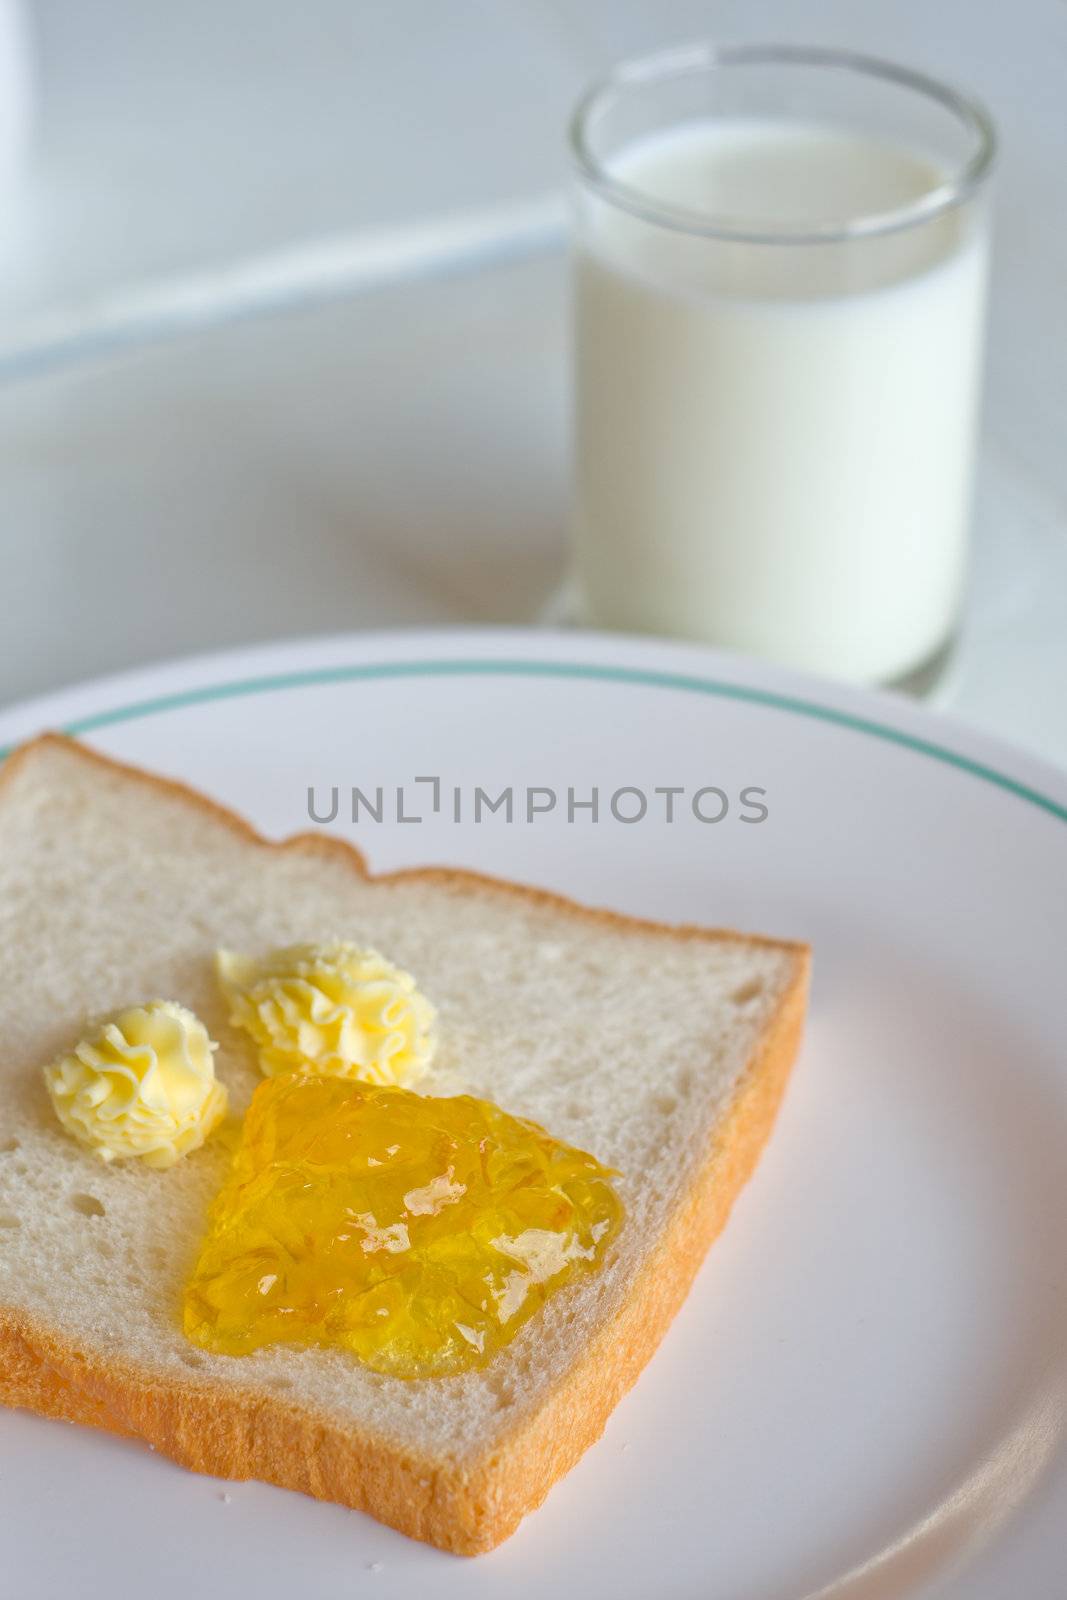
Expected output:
{"points": [[399, 455]]}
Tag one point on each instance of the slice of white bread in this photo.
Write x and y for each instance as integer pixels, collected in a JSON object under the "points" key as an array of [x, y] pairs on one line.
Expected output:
{"points": [[664, 1051]]}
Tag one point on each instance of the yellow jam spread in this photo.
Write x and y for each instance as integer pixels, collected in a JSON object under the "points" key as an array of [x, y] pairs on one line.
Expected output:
{"points": [[418, 1233], [334, 1008], [142, 1084]]}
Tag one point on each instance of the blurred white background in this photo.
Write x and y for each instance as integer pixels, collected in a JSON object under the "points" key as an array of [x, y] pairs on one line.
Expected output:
{"points": [[178, 475]]}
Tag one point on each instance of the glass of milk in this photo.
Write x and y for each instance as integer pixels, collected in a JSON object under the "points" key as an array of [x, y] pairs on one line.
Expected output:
{"points": [[780, 268]]}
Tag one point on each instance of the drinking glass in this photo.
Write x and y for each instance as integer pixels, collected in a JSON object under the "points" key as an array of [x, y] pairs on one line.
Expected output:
{"points": [[779, 300]]}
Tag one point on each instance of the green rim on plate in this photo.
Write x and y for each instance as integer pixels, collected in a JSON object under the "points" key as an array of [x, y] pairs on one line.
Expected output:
{"points": [[589, 671]]}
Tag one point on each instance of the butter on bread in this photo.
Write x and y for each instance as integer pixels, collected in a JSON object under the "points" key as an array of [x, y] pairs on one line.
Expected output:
{"points": [[665, 1050]]}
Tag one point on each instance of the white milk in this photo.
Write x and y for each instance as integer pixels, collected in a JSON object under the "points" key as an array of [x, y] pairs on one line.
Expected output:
{"points": [[774, 442]]}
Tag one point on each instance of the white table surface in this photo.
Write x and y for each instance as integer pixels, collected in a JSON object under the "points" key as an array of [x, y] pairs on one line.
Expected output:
{"points": [[400, 456]]}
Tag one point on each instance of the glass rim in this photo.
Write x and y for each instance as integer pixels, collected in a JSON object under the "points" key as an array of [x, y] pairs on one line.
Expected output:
{"points": [[688, 60]]}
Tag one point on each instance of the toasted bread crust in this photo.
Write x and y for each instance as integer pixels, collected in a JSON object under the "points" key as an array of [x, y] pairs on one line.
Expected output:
{"points": [[466, 1506]]}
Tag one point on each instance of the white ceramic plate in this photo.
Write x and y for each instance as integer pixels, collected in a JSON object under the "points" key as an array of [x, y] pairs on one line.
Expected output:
{"points": [[865, 1393]]}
